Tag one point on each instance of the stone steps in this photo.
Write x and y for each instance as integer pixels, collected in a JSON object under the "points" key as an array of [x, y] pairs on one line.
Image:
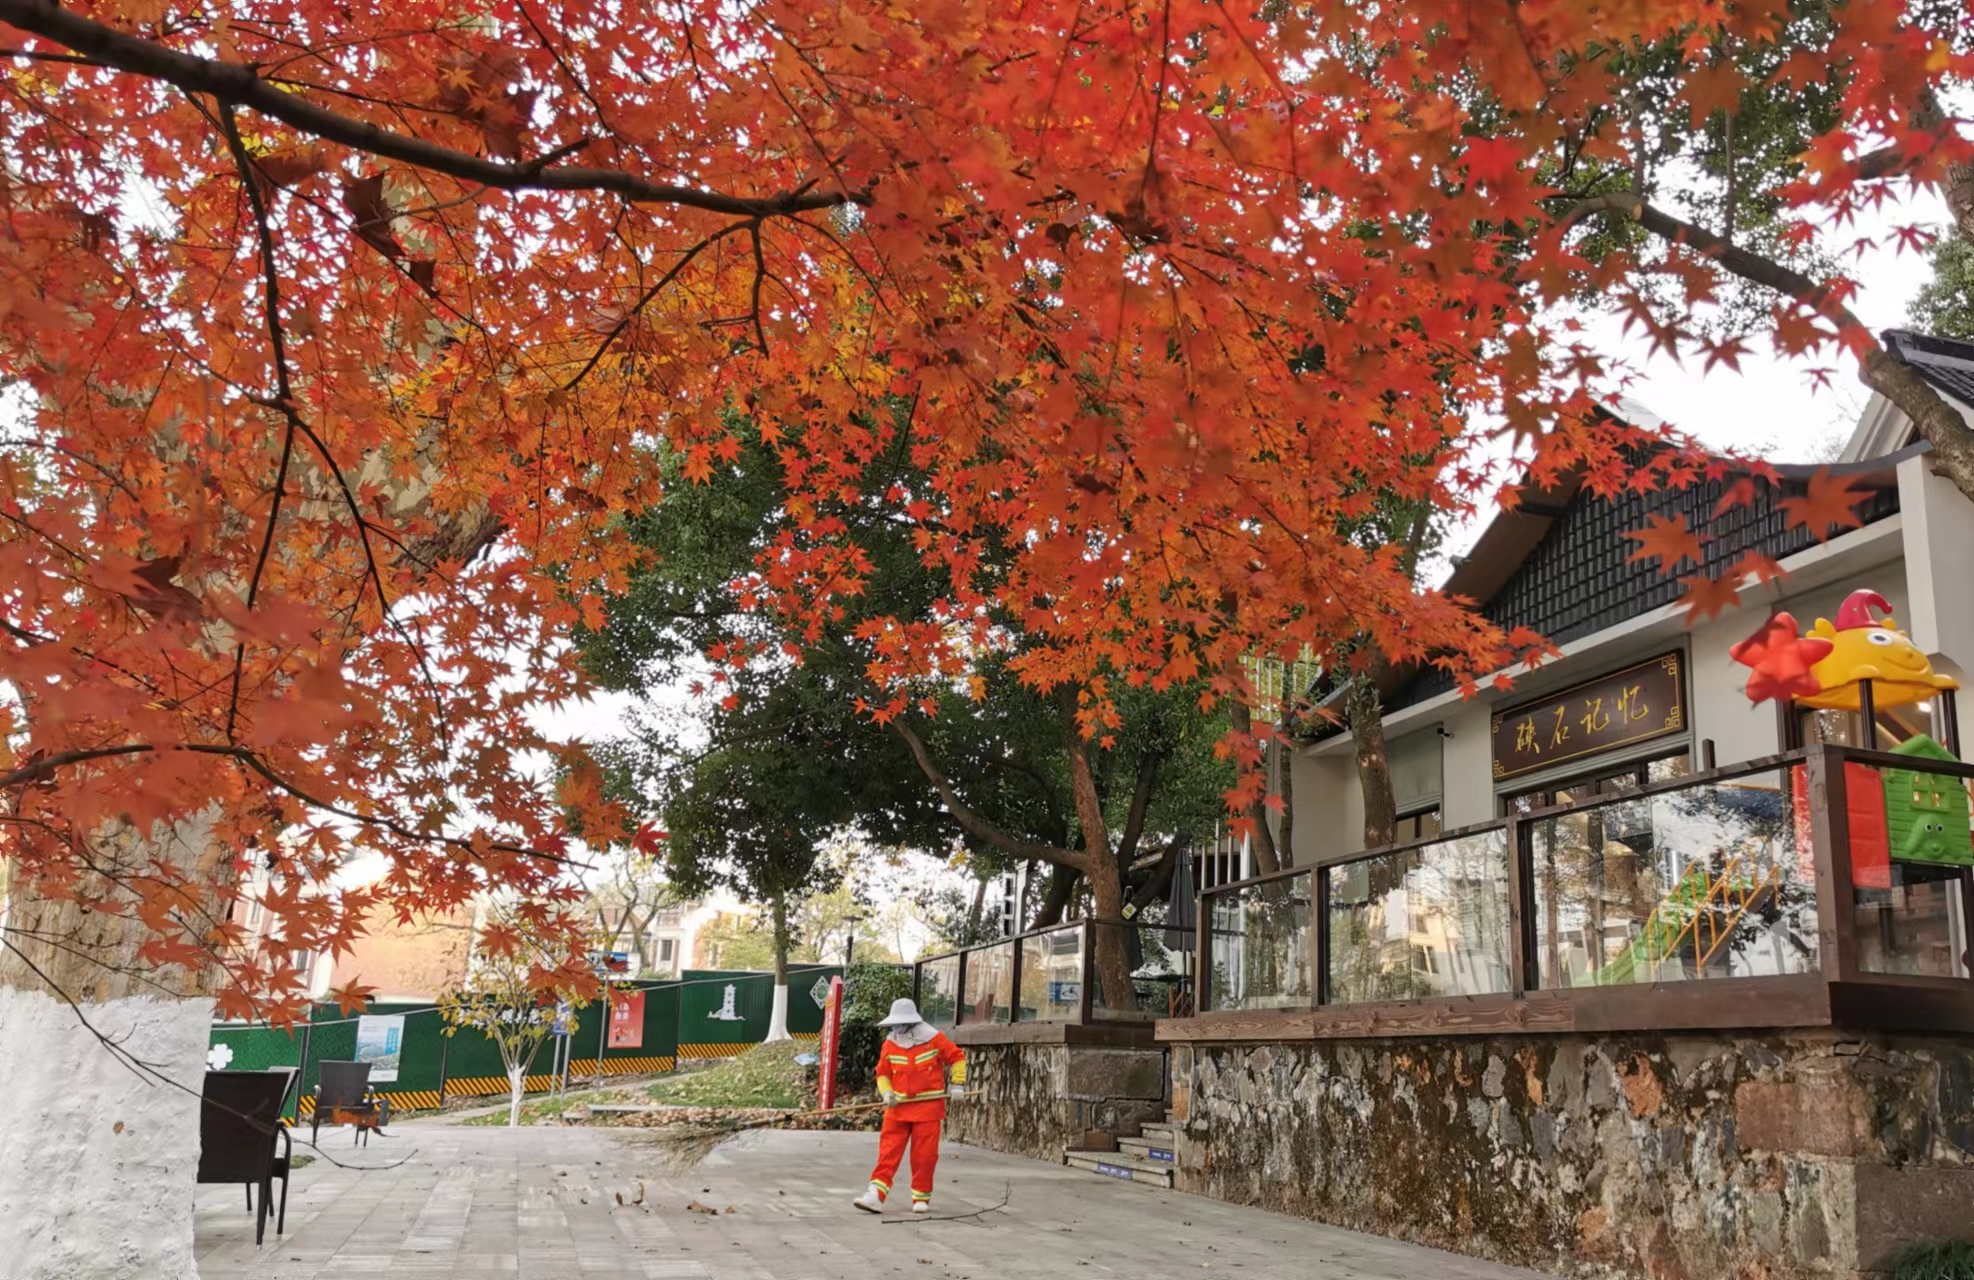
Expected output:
{"points": [[1152, 1149], [1119, 1165]]}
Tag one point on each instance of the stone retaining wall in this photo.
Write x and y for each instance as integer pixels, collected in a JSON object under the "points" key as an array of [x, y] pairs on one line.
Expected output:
{"points": [[1037, 1099], [1677, 1156]]}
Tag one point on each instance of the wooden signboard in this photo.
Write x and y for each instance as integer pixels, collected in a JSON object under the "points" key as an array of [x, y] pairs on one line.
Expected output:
{"points": [[1634, 705]]}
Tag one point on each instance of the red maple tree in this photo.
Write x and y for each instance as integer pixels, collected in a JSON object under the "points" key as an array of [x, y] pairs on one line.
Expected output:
{"points": [[342, 337]]}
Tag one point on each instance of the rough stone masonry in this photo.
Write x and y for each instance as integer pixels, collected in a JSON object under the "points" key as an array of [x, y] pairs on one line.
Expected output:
{"points": [[1035, 1100], [1669, 1156]]}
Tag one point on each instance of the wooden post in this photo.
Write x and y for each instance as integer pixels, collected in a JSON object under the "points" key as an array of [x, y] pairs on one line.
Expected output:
{"points": [[1521, 913], [1319, 934], [959, 993], [1836, 894], [1867, 706]]}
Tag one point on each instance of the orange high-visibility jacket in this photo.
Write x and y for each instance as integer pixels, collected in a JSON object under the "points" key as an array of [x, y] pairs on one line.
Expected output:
{"points": [[918, 1076]]}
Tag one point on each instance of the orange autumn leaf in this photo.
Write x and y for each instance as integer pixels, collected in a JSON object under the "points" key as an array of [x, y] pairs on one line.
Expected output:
{"points": [[1666, 539], [1706, 597], [1828, 503], [311, 495], [352, 996]]}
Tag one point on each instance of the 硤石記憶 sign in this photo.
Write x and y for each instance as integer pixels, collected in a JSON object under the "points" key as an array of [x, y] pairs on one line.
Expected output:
{"points": [[1634, 705]]}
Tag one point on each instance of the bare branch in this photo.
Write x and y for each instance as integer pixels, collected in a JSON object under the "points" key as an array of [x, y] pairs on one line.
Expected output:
{"points": [[973, 822]]}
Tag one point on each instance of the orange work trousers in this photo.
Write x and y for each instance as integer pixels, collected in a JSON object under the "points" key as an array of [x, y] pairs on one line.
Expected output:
{"points": [[923, 1137]]}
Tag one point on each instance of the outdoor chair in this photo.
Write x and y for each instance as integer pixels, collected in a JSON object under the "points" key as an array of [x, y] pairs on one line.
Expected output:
{"points": [[343, 1096], [242, 1138]]}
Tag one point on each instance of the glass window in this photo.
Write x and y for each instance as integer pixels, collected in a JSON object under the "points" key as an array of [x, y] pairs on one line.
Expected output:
{"points": [[665, 946], [1429, 921], [1259, 939], [989, 980], [1420, 825], [1603, 783], [939, 990], [1846, 728], [1709, 881], [1052, 976]]}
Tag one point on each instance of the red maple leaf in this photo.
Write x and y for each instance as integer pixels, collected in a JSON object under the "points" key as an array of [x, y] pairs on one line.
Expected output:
{"points": [[352, 996], [1666, 539], [1828, 502], [1705, 597], [1739, 493]]}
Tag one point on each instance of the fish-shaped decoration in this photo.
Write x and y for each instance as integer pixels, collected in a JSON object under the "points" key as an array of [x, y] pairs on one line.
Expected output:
{"points": [[1825, 668]]}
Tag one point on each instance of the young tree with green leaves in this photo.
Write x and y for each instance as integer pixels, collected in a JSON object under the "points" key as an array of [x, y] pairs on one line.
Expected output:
{"points": [[514, 983]]}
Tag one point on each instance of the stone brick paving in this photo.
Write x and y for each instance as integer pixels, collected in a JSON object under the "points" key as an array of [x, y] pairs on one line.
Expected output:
{"points": [[540, 1203]]}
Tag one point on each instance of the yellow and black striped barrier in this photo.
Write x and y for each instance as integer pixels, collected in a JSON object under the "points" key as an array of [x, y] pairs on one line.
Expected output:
{"points": [[623, 1066]]}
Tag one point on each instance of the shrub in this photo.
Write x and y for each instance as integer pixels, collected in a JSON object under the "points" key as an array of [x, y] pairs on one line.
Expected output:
{"points": [[1945, 1260]]}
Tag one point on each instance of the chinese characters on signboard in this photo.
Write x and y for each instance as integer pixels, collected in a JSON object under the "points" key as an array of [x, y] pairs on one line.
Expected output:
{"points": [[1634, 705]]}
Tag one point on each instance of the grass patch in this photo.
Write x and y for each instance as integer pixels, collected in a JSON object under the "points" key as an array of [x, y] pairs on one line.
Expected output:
{"points": [[765, 1076], [1943, 1261], [546, 1108]]}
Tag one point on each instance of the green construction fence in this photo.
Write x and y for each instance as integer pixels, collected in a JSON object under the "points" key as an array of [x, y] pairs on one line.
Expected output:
{"points": [[418, 1067]]}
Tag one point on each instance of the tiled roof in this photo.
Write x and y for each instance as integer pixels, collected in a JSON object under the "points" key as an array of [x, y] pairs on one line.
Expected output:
{"points": [[1947, 363], [1576, 579]]}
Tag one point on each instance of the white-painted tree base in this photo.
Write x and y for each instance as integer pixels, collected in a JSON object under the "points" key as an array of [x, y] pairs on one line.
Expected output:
{"points": [[97, 1163], [778, 1019]]}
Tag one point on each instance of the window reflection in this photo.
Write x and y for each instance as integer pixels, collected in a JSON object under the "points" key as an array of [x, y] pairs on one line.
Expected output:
{"points": [[1430, 921], [1703, 882]]}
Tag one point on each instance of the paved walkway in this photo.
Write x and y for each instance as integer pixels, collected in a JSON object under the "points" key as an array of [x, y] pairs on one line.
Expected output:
{"points": [[541, 1204]]}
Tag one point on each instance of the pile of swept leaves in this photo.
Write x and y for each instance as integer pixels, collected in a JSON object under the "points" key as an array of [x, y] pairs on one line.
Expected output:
{"points": [[713, 1117]]}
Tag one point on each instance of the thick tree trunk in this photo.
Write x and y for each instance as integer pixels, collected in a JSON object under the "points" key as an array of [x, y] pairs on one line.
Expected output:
{"points": [[1113, 955], [1263, 840], [1285, 788], [1367, 731], [778, 1020], [101, 1155]]}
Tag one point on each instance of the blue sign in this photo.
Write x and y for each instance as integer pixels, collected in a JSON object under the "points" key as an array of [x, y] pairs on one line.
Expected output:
{"points": [[1065, 993]]}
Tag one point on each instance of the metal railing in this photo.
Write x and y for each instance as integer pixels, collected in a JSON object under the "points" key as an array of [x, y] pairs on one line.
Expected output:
{"points": [[1054, 975], [1800, 863]]}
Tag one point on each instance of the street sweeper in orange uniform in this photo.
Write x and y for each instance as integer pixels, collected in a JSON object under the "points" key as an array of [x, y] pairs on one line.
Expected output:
{"points": [[918, 1069]]}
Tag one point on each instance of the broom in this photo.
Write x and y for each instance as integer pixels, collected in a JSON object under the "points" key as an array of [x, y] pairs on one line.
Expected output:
{"points": [[684, 1146]]}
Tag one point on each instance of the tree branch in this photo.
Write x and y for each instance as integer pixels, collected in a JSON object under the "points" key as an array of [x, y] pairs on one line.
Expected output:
{"points": [[236, 83], [1134, 819], [1938, 423], [973, 822]]}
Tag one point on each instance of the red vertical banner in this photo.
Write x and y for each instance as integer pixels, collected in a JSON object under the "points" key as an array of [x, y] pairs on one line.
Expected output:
{"points": [[832, 1036], [627, 1020]]}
